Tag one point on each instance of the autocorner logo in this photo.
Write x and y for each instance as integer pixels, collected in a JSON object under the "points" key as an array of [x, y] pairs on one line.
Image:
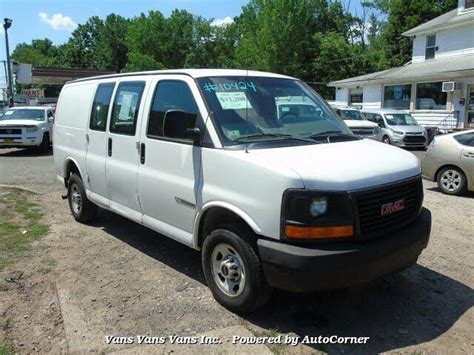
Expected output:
{"points": [[392, 207]]}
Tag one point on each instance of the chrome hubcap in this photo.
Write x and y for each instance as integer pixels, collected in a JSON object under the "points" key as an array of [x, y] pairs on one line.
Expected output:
{"points": [[228, 270], [451, 180], [76, 199]]}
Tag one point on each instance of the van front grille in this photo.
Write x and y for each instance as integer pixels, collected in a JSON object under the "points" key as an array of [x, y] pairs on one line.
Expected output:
{"points": [[387, 208], [414, 139], [10, 130]]}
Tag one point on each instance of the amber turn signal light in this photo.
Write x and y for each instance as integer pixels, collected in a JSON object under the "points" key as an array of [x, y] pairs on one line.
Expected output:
{"points": [[319, 232]]}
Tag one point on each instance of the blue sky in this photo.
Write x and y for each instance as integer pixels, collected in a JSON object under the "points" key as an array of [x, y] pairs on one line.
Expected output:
{"points": [[55, 19]]}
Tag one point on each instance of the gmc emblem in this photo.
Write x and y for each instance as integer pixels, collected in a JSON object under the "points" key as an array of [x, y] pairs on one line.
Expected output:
{"points": [[392, 207]]}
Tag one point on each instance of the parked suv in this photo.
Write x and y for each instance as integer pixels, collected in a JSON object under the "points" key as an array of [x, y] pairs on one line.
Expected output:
{"points": [[26, 127], [203, 157], [398, 128], [356, 121]]}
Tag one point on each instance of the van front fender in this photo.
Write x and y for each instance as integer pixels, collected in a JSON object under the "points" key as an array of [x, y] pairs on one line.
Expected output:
{"points": [[227, 206]]}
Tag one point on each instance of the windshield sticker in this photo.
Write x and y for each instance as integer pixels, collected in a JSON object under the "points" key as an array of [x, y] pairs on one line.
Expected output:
{"points": [[229, 86], [8, 113], [233, 100], [389, 116]]}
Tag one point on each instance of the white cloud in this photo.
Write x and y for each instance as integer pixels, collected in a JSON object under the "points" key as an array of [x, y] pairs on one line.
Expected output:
{"points": [[58, 21], [222, 22]]}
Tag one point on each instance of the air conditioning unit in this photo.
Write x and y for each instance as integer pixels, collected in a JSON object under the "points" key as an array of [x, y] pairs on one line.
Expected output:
{"points": [[449, 86]]}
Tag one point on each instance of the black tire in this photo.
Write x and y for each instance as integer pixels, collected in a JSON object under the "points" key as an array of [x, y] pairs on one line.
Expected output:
{"points": [[44, 145], [456, 186], [85, 210], [255, 291], [386, 140]]}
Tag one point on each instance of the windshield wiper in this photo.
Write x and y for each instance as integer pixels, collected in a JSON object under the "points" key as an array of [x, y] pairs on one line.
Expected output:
{"points": [[271, 135], [332, 134]]}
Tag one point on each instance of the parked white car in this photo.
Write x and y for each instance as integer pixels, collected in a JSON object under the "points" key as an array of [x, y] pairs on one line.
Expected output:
{"points": [[358, 124], [398, 128], [26, 127], [202, 157]]}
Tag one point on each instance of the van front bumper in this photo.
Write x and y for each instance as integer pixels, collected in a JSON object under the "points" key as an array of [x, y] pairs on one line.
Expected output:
{"points": [[339, 265]]}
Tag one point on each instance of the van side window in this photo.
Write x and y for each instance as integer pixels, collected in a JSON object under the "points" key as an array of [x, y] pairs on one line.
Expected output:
{"points": [[100, 106], [171, 96], [125, 109]]}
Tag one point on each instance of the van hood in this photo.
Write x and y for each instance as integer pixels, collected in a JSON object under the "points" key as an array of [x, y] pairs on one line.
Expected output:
{"points": [[343, 166], [360, 123], [4, 123], [407, 129]]}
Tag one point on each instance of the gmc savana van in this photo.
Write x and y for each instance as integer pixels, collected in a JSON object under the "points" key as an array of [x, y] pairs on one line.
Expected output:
{"points": [[211, 159]]}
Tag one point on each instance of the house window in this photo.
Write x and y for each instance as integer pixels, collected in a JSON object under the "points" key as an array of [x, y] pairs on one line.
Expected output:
{"points": [[430, 47], [397, 97], [356, 96], [430, 96], [469, 4]]}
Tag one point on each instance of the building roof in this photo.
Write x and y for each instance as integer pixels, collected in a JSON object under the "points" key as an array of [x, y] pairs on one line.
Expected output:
{"points": [[195, 73], [451, 18], [49, 75], [455, 66]]}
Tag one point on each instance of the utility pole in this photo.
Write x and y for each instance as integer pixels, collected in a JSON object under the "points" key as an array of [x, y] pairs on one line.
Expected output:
{"points": [[6, 25]]}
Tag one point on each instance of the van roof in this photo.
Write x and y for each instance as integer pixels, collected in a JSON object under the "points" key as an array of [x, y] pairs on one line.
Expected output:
{"points": [[194, 73]]}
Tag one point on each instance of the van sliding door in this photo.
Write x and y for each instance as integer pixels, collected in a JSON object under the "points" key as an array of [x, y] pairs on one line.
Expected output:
{"points": [[122, 148]]}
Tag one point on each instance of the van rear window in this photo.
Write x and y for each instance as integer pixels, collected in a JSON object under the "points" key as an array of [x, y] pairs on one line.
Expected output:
{"points": [[100, 106]]}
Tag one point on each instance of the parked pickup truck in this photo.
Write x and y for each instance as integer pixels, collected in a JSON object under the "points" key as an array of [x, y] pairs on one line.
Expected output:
{"points": [[206, 157], [358, 124], [26, 127]]}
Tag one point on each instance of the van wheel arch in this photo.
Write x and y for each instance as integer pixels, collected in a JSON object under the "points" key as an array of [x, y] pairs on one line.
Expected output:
{"points": [[215, 217], [71, 168]]}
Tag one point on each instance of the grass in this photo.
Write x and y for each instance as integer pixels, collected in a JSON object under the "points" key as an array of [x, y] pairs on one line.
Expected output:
{"points": [[20, 225], [6, 349]]}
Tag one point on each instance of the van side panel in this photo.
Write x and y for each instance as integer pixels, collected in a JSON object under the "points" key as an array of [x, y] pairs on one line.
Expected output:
{"points": [[70, 128]]}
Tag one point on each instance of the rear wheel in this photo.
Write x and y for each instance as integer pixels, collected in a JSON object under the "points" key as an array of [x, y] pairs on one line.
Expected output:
{"points": [[81, 208], [452, 181], [233, 270]]}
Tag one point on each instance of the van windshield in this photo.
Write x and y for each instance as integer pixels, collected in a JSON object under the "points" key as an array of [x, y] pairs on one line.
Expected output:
{"points": [[351, 115], [252, 109], [400, 119], [23, 114]]}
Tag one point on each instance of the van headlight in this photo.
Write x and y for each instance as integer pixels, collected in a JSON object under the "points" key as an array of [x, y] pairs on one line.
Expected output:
{"points": [[400, 133], [31, 129], [318, 206], [309, 215]]}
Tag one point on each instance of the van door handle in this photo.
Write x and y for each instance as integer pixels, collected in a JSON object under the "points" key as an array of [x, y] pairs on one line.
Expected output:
{"points": [[469, 155], [109, 147], [142, 153]]}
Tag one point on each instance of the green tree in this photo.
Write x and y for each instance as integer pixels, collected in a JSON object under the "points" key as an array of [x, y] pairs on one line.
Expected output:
{"points": [[41, 53]]}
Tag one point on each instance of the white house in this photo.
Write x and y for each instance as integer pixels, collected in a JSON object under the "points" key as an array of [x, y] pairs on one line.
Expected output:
{"points": [[437, 85]]}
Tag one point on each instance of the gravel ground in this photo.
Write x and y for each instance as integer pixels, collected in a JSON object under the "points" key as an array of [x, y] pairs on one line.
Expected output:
{"points": [[115, 277]]}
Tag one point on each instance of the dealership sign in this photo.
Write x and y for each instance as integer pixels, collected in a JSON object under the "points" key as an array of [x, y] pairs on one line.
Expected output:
{"points": [[33, 92]]}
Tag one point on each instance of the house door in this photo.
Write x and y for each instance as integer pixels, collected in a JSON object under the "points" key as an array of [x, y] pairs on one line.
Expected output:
{"points": [[470, 107]]}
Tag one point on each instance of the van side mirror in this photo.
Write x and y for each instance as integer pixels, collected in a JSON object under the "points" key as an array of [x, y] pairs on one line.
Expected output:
{"points": [[195, 133], [180, 125]]}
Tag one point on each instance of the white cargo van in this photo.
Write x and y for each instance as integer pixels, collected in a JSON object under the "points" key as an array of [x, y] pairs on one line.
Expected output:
{"points": [[204, 157]]}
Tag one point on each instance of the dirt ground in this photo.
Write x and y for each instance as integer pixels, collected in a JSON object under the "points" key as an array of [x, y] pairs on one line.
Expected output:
{"points": [[115, 277]]}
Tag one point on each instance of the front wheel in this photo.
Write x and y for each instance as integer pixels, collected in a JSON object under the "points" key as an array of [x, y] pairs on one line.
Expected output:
{"points": [[82, 209], [233, 270], [44, 145], [386, 140], [452, 181]]}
